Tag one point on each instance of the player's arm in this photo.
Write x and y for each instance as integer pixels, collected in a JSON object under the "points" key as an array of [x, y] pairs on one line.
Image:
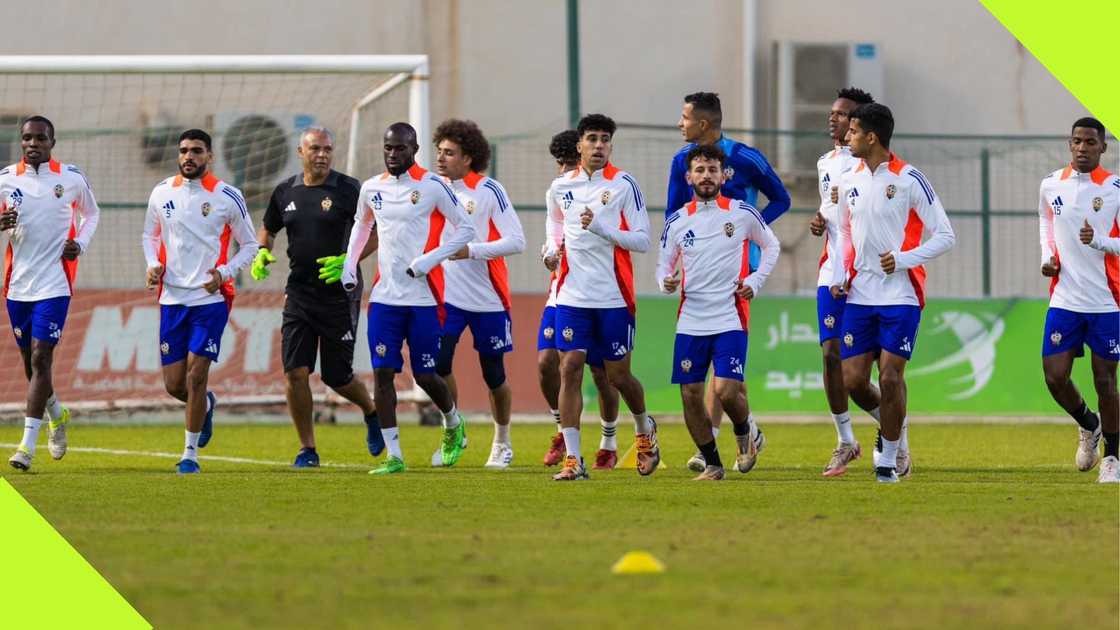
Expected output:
{"points": [[757, 231], [553, 226], [242, 230], [763, 177], [636, 238], [925, 202], [511, 238], [845, 252], [359, 238], [150, 242], [271, 224], [679, 192], [1049, 259], [90, 213], [667, 275], [463, 233]]}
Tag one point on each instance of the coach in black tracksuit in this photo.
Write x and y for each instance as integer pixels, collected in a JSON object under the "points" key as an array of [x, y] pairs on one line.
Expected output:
{"points": [[317, 208]]}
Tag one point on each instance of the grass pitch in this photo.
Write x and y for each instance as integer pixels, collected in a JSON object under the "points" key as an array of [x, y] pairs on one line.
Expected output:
{"points": [[994, 529]]}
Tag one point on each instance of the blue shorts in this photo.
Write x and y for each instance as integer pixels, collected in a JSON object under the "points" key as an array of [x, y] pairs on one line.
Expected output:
{"points": [[830, 314], [197, 329], [492, 331], [1070, 330], [42, 319], [893, 329], [692, 354], [546, 337], [608, 332], [388, 327]]}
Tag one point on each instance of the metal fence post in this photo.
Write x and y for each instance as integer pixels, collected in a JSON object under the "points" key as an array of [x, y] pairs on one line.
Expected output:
{"points": [[986, 220]]}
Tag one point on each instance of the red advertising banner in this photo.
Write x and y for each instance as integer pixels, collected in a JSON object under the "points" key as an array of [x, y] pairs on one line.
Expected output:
{"points": [[110, 352]]}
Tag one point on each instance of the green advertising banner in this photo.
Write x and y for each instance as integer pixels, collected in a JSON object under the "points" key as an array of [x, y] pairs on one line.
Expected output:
{"points": [[972, 357]]}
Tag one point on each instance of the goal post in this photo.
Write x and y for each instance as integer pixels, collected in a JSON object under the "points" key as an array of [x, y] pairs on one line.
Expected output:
{"points": [[118, 118]]}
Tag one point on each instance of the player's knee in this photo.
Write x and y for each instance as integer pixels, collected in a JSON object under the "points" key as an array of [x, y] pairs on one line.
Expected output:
{"points": [[599, 375], [446, 356], [385, 378], [548, 363], [890, 379], [728, 391], [1056, 379], [832, 362], [41, 359], [427, 380], [692, 394], [1105, 384], [617, 371], [177, 390], [856, 382], [298, 377], [493, 370], [196, 379], [571, 365]]}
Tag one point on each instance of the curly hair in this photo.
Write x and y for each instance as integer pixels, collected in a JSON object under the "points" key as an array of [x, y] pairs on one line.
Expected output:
{"points": [[563, 146], [596, 122], [706, 152], [470, 139], [855, 95]]}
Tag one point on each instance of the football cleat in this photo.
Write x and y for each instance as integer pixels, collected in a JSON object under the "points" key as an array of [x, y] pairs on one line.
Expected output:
{"points": [[573, 470], [1110, 470], [1088, 453], [649, 452], [375, 441], [208, 423], [605, 459], [56, 434], [187, 467], [453, 443], [307, 458], [21, 459], [501, 456], [885, 475], [391, 466], [711, 473], [555, 452], [696, 463], [748, 447], [843, 455]]}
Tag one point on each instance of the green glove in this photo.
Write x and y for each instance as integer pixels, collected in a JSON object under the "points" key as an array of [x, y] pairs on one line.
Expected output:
{"points": [[259, 269], [330, 269]]}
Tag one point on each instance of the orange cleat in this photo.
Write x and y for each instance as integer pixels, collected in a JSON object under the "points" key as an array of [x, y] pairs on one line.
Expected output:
{"points": [[605, 460], [555, 451]]}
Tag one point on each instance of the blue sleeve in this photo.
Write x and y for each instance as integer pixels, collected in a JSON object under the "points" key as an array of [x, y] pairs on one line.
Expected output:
{"points": [[767, 182], [679, 191]]}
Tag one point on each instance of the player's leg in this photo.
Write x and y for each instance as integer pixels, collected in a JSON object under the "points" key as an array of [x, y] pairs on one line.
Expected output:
{"points": [[202, 328], [337, 358], [615, 334], [455, 322], [729, 361], [606, 458], [897, 336], [548, 376], [576, 336], [715, 414], [298, 346], [34, 336], [1063, 338], [691, 357], [423, 335], [493, 338], [386, 327], [1105, 352]]}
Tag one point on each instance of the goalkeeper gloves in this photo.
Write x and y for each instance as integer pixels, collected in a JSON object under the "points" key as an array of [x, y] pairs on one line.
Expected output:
{"points": [[259, 269], [330, 268]]}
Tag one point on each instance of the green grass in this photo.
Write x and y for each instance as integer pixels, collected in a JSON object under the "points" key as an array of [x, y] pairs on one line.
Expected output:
{"points": [[995, 529]]}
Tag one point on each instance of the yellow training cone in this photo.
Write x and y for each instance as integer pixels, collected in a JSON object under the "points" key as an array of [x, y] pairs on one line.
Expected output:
{"points": [[630, 459], [635, 562]]}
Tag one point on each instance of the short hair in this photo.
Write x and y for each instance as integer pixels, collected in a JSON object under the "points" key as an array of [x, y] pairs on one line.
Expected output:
{"points": [[875, 118], [38, 119], [317, 130], [470, 139], [1089, 123], [402, 128], [196, 134], [563, 146], [705, 152], [708, 105], [595, 122], [856, 95]]}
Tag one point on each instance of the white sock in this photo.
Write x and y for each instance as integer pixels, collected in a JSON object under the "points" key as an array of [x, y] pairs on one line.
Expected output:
{"points": [[715, 432], [30, 434], [874, 413], [556, 416], [889, 458], [571, 440], [190, 450], [608, 441], [844, 427], [501, 433], [904, 437], [392, 437], [54, 408], [642, 423], [451, 418]]}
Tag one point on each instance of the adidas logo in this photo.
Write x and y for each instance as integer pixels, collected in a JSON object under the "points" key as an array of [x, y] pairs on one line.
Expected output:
{"points": [[348, 336], [905, 347], [56, 334], [291, 207], [211, 346], [170, 205]]}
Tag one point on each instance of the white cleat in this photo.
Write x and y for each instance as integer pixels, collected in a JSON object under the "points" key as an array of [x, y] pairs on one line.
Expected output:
{"points": [[696, 463], [21, 460], [56, 435], [437, 459], [501, 456], [1087, 452], [902, 463], [749, 446], [1110, 470]]}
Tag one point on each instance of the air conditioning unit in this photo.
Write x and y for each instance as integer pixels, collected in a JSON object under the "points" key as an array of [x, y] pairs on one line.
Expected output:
{"points": [[809, 74], [256, 150]]}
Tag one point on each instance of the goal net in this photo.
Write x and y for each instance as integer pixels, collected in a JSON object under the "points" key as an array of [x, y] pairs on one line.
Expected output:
{"points": [[118, 119]]}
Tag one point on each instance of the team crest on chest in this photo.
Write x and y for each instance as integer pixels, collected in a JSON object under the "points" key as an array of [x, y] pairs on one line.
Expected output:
{"points": [[58, 190], [1055, 337], [729, 172], [470, 206], [1098, 203], [891, 190], [326, 203], [414, 197], [205, 208], [605, 197], [686, 366], [729, 229]]}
